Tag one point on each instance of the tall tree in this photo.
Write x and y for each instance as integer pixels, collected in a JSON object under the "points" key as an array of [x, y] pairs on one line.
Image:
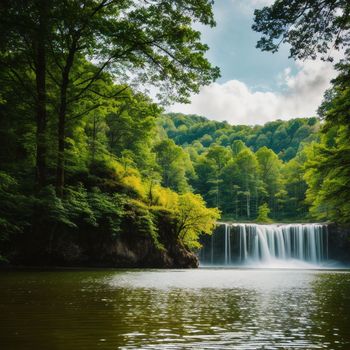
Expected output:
{"points": [[194, 219], [153, 42], [175, 165], [270, 173], [248, 176]]}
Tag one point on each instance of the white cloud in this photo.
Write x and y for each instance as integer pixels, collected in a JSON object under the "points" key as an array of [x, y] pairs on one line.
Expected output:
{"points": [[234, 101]]}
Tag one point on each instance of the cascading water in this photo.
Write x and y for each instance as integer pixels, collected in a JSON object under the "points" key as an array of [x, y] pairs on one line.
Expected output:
{"points": [[234, 244]]}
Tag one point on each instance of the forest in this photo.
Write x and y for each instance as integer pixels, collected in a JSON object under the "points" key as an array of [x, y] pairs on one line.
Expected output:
{"points": [[240, 168], [79, 172], [87, 158]]}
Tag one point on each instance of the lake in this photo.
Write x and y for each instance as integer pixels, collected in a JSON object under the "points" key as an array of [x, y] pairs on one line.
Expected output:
{"points": [[175, 309]]}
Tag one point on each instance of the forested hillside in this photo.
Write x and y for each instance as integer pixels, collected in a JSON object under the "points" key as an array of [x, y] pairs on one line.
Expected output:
{"points": [[240, 168], [283, 137]]}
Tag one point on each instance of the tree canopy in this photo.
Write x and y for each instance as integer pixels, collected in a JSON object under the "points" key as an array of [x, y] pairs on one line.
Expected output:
{"points": [[310, 27]]}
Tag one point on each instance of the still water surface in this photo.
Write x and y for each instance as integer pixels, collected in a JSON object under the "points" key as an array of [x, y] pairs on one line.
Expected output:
{"points": [[175, 309]]}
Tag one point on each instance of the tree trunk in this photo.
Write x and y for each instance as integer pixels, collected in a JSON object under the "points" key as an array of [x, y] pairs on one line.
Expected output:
{"points": [[248, 198], [41, 115], [61, 134], [217, 192], [236, 207], [61, 131], [62, 119], [248, 205], [61, 148]]}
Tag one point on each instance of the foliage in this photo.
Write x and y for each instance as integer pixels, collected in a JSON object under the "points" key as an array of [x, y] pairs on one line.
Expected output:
{"points": [[283, 137], [194, 218], [295, 185], [141, 219], [263, 214], [238, 168], [310, 27], [14, 208], [175, 165], [270, 173], [314, 28], [328, 162]]}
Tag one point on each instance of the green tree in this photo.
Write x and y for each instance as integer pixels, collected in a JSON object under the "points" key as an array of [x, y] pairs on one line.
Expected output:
{"points": [[312, 28], [293, 177], [174, 164], [270, 173], [194, 219], [231, 188], [237, 147], [132, 127], [248, 179], [208, 169], [263, 214], [154, 41]]}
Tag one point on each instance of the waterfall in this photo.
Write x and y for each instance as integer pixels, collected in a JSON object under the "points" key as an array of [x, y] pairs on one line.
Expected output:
{"points": [[252, 243]]}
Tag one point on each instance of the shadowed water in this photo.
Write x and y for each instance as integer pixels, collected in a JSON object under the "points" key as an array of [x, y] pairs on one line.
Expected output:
{"points": [[176, 309]]}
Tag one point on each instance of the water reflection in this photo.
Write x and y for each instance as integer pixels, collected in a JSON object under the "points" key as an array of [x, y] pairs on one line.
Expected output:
{"points": [[192, 309]]}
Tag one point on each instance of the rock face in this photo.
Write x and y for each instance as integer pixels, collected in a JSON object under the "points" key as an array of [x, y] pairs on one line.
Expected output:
{"points": [[138, 246], [145, 254], [130, 251], [124, 253], [121, 252], [339, 243]]}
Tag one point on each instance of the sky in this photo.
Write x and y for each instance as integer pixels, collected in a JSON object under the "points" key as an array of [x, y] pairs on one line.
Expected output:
{"points": [[255, 87]]}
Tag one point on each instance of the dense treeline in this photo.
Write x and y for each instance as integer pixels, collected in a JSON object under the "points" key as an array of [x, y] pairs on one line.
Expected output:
{"points": [[283, 137], [78, 145], [240, 168]]}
